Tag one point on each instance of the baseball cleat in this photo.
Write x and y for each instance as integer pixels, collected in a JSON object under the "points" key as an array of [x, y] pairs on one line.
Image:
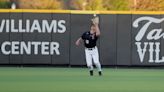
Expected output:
{"points": [[91, 73], [100, 73]]}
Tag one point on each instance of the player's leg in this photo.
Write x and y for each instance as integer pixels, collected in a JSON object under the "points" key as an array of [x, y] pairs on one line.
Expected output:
{"points": [[89, 61], [95, 56]]}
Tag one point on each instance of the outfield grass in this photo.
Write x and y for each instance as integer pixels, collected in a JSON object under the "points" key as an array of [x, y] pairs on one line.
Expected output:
{"points": [[78, 80]]}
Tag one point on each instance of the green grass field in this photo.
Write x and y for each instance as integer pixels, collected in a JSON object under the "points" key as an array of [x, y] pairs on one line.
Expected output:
{"points": [[51, 79]]}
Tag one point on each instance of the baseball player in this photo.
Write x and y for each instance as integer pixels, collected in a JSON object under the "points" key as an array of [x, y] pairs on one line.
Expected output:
{"points": [[91, 52]]}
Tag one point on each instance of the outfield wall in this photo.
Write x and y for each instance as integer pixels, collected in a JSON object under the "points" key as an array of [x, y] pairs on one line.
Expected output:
{"points": [[48, 37]]}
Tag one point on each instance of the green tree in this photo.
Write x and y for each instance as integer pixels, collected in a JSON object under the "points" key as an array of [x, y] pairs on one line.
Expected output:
{"points": [[116, 4], [5, 4], [148, 5], [77, 4], [40, 4], [86, 4], [95, 5], [100, 4]]}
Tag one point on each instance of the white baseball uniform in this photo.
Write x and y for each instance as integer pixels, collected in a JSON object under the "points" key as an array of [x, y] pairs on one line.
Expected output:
{"points": [[91, 51]]}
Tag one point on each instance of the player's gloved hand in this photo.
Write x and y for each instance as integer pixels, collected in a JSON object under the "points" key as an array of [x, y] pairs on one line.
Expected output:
{"points": [[95, 20]]}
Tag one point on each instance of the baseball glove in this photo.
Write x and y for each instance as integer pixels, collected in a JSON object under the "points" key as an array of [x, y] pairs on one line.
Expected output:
{"points": [[95, 20]]}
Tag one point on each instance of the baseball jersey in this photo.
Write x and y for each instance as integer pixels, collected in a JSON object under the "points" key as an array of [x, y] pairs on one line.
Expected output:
{"points": [[89, 39]]}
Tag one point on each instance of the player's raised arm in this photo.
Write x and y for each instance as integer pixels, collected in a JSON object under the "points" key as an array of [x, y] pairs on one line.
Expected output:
{"points": [[95, 22], [97, 30]]}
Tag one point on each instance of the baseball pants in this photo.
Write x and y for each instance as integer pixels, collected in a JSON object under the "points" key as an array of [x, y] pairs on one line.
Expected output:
{"points": [[92, 54]]}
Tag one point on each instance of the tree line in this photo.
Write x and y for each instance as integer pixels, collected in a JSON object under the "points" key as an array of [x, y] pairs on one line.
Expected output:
{"points": [[141, 5]]}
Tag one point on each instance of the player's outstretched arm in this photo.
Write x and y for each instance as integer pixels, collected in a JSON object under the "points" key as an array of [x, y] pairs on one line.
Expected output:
{"points": [[79, 40]]}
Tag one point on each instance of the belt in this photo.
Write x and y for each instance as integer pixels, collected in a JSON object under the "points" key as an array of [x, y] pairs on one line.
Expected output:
{"points": [[90, 48]]}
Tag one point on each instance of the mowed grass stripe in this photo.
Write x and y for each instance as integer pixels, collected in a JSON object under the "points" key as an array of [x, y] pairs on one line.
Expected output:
{"points": [[14, 79]]}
